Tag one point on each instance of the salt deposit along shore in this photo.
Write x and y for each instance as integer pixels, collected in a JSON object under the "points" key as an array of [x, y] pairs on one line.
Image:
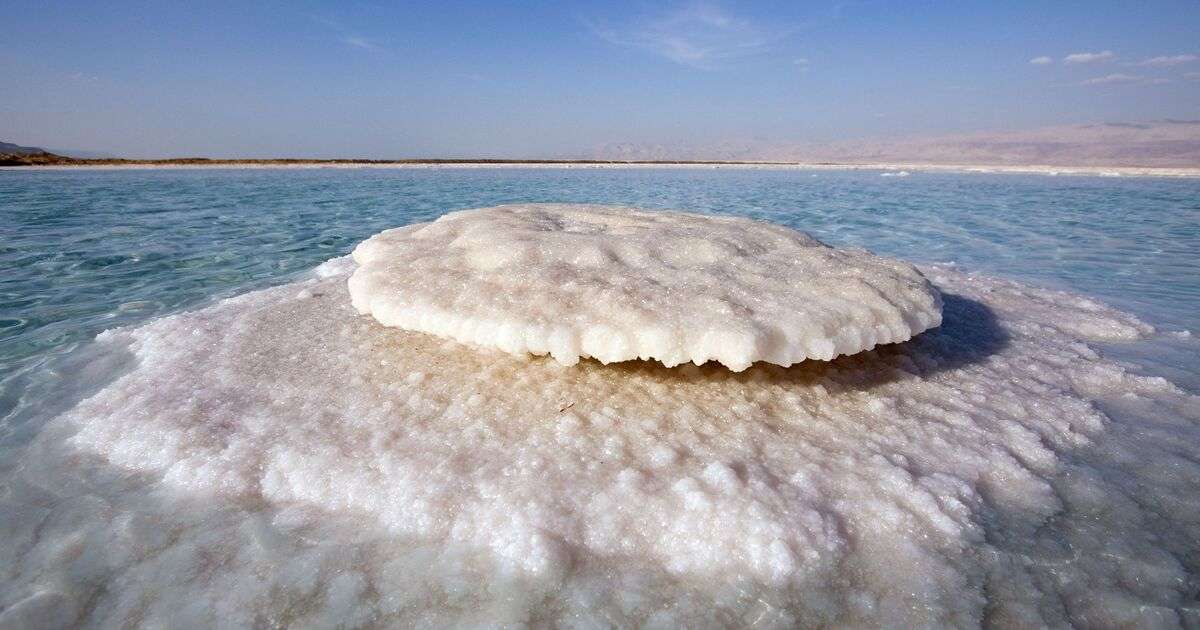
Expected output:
{"points": [[890, 167], [277, 459]]}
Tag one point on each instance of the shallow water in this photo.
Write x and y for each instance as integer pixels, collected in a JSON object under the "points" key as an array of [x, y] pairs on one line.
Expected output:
{"points": [[86, 251], [1008, 474]]}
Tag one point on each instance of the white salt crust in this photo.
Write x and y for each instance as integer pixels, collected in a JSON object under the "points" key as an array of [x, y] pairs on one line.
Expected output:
{"points": [[275, 460], [617, 284]]}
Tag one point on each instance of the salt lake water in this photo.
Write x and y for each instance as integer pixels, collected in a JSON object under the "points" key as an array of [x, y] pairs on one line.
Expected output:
{"points": [[84, 251], [88, 250]]}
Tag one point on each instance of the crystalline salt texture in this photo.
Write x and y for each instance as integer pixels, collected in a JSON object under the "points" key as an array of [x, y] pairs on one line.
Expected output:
{"points": [[617, 284], [335, 471]]}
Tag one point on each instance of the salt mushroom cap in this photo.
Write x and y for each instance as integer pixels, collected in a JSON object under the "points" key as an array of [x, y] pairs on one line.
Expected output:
{"points": [[618, 283]]}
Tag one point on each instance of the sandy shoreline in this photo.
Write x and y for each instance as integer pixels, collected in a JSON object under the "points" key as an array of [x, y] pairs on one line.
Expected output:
{"points": [[1034, 169]]}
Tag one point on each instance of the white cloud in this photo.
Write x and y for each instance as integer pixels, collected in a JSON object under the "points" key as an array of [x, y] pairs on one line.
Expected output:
{"points": [[1168, 60], [360, 42], [83, 77], [1124, 79], [1041, 61], [700, 35], [801, 61], [345, 35], [1192, 76], [1088, 57]]}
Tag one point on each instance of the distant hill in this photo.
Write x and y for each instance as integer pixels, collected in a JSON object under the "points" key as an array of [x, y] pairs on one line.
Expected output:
{"points": [[8, 148], [1160, 143], [17, 155]]}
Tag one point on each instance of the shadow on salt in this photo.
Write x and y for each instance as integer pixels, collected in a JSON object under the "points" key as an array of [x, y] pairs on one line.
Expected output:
{"points": [[969, 333]]}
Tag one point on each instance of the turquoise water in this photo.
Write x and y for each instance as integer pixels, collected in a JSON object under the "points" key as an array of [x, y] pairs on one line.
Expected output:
{"points": [[83, 251], [276, 461]]}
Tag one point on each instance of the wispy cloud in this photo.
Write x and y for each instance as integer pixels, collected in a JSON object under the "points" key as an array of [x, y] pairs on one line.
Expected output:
{"points": [[1124, 79], [700, 35], [1089, 57], [358, 41], [1041, 61], [83, 77], [345, 35], [1167, 60], [1112, 79]]}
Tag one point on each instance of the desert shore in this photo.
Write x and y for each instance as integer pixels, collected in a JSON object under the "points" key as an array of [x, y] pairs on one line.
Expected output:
{"points": [[898, 167]]}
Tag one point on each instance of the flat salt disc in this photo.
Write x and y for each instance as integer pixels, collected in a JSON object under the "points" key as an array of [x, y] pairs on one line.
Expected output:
{"points": [[617, 284]]}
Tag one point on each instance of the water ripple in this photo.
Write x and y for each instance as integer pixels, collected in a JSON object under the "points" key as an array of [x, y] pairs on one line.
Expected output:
{"points": [[86, 251]]}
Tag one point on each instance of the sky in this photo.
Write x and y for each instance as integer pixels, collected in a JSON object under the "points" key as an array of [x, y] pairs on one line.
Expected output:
{"points": [[559, 79]]}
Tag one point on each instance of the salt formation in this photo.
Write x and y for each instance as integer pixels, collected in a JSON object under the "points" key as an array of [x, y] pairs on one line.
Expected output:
{"points": [[276, 460], [617, 284]]}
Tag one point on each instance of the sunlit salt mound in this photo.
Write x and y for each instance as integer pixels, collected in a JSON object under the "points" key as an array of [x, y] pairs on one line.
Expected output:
{"points": [[274, 457], [618, 284]]}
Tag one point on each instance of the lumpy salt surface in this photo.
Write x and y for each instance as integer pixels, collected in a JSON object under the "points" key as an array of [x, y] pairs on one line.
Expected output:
{"points": [[617, 284], [277, 460]]}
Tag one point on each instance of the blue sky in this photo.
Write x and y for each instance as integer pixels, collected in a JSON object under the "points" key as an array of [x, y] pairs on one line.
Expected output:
{"points": [[560, 79]]}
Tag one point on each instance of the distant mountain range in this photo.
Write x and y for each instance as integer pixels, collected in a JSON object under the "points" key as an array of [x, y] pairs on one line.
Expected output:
{"points": [[1152, 144], [1161, 143]]}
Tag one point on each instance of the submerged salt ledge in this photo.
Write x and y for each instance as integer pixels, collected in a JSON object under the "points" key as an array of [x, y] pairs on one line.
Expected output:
{"points": [[617, 284], [276, 460]]}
